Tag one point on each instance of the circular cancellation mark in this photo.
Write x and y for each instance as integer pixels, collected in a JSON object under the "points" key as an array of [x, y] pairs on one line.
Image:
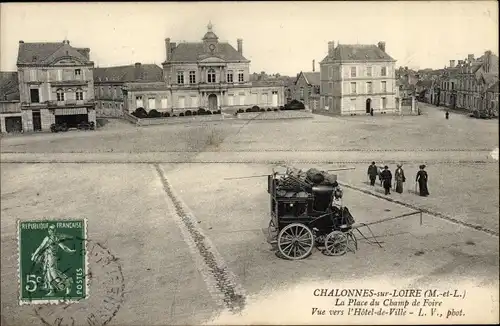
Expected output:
{"points": [[106, 293]]}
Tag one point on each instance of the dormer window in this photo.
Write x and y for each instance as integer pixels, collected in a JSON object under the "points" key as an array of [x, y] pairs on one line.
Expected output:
{"points": [[34, 58]]}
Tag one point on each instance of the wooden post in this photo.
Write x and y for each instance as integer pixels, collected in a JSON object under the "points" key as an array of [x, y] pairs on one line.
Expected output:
{"points": [[420, 217]]}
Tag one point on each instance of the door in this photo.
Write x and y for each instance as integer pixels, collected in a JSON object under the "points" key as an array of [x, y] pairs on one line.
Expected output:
{"points": [[37, 121], [212, 102], [275, 99], [368, 105]]}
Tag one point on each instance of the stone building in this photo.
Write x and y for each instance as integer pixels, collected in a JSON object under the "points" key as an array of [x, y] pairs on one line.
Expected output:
{"points": [[113, 84], [356, 78], [210, 74], [10, 106], [55, 84], [307, 89]]}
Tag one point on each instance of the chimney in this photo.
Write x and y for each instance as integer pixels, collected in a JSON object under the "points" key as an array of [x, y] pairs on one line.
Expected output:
{"points": [[21, 42], [314, 64], [331, 47], [137, 71], [470, 58], [487, 61], [167, 49], [86, 53], [381, 45], [452, 63], [240, 46], [172, 48]]}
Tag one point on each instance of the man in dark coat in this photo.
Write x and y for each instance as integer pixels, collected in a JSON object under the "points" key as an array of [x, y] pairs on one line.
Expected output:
{"points": [[422, 181], [386, 177], [372, 173]]}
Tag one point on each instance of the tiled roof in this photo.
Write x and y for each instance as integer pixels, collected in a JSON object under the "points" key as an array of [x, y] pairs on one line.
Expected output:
{"points": [[493, 88], [490, 78], [130, 73], [312, 78], [39, 53], [358, 52], [191, 52], [9, 86], [267, 83], [424, 83]]}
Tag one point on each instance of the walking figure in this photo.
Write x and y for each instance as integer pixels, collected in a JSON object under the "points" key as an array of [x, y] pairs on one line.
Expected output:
{"points": [[399, 175], [46, 255], [386, 177], [371, 112], [372, 173], [447, 114], [422, 178]]}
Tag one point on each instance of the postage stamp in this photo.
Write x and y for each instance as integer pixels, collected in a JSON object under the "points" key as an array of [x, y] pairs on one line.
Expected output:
{"points": [[53, 265]]}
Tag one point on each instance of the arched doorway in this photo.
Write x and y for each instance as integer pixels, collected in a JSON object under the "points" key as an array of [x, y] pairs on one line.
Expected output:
{"points": [[368, 105], [212, 102]]}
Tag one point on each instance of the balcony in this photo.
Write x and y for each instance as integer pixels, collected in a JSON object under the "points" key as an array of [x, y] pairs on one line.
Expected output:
{"points": [[73, 82], [70, 103]]}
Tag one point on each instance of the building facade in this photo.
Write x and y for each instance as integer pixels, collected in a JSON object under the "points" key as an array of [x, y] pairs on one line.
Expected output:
{"points": [[55, 85], [10, 106], [356, 79], [307, 90], [209, 74]]}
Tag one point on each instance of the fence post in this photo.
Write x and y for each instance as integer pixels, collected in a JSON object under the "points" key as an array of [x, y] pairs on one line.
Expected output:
{"points": [[420, 217]]}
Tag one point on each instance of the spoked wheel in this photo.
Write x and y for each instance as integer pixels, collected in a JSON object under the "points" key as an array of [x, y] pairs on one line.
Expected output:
{"points": [[336, 243], [295, 241]]}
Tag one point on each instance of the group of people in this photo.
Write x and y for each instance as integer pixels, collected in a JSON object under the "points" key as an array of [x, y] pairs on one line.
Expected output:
{"points": [[385, 177]]}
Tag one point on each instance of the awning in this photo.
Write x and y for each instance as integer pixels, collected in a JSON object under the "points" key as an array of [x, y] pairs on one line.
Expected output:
{"points": [[71, 111]]}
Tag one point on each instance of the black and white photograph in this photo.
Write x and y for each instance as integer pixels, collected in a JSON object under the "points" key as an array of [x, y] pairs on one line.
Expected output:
{"points": [[249, 163]]}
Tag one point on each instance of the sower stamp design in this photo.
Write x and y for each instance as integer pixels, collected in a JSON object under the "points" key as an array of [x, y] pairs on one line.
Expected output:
{"points": [[52, 261]]}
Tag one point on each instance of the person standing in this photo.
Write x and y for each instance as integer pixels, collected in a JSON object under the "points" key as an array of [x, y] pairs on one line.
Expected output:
{"points": [[422, 178], [372, 173], [399, 175], [371, 112], [386, 177], [447, 115]]}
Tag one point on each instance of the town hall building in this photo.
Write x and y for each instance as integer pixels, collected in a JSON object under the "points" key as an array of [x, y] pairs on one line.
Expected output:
{"points": [[208, 74]]}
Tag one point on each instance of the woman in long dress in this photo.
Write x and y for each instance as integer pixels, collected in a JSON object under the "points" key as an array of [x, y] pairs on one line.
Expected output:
{"points": [[399, 175], [422, 178], [46, 254]]}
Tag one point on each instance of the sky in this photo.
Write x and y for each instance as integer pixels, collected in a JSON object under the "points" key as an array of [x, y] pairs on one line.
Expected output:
{"points": [[278, 37]]}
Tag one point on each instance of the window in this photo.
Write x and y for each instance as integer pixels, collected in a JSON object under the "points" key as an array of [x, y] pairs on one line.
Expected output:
{"points": [[180, 77], [59, 74], [383, 72], [79, 94], [192, 77], [34, 95], [353, 88], [302, 93], [353, 71], [181, 102], [211, 76], [241, 77], [230, 100], [78, 73], [369, 88], [138, 102], [353, 104], [229, 76], [330, 72], [369, 71], [60, 95], [152, 103], [263, 98], [384, 87], [384, 103], [242, 98], [164, 103], [330, 85], [452, 85]]}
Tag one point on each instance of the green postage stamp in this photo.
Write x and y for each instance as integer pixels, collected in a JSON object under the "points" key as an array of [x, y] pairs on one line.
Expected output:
{"points": [[52, 261]]}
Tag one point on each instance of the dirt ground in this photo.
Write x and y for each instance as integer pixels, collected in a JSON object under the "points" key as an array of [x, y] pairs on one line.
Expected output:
{"points": [[190, 242]]}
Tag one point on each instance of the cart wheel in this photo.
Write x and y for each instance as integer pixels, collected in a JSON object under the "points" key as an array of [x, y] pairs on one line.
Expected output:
{"points": [[295, 241], [336, 243]]}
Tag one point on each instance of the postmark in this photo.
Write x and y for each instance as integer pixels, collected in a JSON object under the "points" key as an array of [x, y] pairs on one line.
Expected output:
{"points": [[59, 267], [107, 285], [53, 265]]}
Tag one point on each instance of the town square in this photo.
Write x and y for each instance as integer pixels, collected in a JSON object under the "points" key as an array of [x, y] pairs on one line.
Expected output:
{"points": [[155, 180]]}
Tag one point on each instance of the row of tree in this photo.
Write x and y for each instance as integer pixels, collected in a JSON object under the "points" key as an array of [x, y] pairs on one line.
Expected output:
{"points": [[141, 113]]}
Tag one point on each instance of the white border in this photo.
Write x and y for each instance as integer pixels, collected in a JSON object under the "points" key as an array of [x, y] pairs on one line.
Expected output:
{"points": [[58, 301]]}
